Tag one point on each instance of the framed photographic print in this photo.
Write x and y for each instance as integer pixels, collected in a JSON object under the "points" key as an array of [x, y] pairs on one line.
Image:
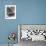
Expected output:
{"points": [[10, 11], [33, 32]]}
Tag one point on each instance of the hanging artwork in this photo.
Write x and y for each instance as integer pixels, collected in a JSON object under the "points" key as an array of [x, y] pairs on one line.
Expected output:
{"points": [[10, 11], [32, 32]]}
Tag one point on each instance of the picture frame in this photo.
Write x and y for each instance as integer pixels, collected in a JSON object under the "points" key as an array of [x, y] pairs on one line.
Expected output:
{"points": [[36, 32], [10, 11]]}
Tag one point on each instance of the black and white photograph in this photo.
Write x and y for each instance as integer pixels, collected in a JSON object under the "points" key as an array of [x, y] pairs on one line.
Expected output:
{"points": [[29, 34], [10, 11]]}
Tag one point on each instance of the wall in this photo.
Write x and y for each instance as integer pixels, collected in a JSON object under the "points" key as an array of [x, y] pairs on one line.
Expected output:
{"points": [[27, 12]]}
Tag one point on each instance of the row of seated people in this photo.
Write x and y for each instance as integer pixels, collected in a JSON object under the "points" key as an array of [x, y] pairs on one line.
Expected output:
{"points": [[28, 34]]}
